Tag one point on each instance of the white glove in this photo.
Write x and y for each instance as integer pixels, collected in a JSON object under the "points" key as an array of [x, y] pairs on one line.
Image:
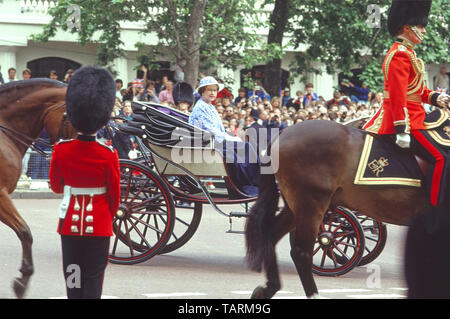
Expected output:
{"points": [[229, 137], [403, 140], [443, 100]]}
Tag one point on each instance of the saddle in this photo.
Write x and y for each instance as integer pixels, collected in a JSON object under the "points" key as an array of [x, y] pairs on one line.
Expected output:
{"points": [[382, 162]]}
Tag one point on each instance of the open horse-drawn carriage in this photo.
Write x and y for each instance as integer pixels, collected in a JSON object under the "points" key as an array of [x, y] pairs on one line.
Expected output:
{"points": [[164, 189]]}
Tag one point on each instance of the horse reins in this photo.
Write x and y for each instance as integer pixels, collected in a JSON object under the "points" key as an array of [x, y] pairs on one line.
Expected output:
{"points": [[30, 142]]}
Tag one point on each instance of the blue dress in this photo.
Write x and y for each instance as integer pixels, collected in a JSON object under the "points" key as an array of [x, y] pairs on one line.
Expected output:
{"points": [[243, 162]]}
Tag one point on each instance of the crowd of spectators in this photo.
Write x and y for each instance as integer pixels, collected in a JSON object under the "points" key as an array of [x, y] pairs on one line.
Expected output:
{"points": [[348, 103], [274, 111]]}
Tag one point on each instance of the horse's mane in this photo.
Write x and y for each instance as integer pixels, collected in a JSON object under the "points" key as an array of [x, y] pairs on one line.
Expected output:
{"points": [[30, 82]]}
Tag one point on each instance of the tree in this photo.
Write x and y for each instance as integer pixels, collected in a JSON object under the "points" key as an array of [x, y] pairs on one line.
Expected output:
{"points": [[278, 22], [344, 34], [188, 31]]}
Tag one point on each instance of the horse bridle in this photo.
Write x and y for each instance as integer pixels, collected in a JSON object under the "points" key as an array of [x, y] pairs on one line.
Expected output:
{"points": [[30, 142]]}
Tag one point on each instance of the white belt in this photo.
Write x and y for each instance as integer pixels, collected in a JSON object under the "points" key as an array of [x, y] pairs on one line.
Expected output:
{"points": [[69, 191], [85, 190]]}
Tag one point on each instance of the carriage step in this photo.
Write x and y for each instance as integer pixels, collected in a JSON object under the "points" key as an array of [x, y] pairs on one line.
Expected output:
{"points": [[235, 231], [238, 214]]}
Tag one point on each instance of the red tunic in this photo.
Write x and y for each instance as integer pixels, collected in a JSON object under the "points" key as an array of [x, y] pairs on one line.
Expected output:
{"points": [[404, 92], [86, 163]]}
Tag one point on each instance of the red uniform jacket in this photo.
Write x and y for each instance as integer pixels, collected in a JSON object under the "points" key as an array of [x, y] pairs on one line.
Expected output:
{"points": [[86, 163], [404, 92]]}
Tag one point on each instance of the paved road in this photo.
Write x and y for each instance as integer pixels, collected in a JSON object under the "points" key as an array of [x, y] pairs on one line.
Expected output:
{"points": [[209, 266]]}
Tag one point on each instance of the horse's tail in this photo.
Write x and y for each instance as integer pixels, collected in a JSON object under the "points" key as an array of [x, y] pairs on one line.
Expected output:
{"points": [[258, 240]]}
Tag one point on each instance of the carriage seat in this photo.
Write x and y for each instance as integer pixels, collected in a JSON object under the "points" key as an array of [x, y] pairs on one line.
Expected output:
{"points": [[166, 132]]}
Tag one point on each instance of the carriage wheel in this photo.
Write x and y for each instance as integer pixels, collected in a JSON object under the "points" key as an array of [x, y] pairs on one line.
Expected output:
{"points": [[186, 223], [145, 219], [339, 245], [375, 234]]}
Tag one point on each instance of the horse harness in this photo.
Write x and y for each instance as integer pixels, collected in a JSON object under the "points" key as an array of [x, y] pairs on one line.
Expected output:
{"points": [[30, 142]]}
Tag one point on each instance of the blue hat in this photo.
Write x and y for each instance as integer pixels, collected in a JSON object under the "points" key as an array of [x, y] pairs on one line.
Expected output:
{"points": [[209, 80]]}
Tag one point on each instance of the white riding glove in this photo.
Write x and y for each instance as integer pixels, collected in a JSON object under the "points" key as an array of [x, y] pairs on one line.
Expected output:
{"points": [[403, 140], [232, 138], [443, 100]]}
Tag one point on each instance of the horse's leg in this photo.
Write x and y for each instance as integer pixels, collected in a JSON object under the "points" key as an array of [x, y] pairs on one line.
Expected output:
{"points": [[10, 217], [302, 245], [280, 227]]}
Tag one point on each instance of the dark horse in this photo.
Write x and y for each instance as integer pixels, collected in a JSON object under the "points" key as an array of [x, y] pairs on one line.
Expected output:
{"points": [[317, 162], [26, 107]]}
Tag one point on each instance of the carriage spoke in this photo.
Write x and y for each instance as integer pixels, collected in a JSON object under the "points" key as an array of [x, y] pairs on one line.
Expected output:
{"points": [[343, 253], [146, 201], [138, 192], [347, 244], [140, 235], [158, 231], [117, 237], [324, 254], [128, 187]]}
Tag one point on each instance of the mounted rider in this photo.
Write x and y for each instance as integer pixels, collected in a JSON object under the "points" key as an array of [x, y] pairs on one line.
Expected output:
{"points": [[405, 89]]}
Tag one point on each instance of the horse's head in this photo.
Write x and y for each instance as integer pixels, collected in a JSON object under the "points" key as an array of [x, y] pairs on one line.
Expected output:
{"points": [[30, 105], [57, 124]]}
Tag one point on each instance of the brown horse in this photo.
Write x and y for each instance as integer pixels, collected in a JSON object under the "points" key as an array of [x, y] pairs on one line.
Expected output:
{"points": [[317, 162], [26, 107]]}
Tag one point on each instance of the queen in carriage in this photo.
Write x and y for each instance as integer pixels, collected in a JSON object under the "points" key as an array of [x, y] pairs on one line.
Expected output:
{"points": [[245, 169]]}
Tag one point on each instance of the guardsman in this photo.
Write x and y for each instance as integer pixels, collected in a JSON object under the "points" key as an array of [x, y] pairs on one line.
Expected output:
{"points": [[87, 172], [183, 96], [402, 113]]}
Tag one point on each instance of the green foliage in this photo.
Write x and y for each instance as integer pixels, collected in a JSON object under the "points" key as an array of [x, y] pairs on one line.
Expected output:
{"points": [[222, 37], [340, 35]]}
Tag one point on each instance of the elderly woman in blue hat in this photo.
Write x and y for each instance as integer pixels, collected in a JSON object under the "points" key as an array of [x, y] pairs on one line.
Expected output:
{"points": [[205, 116]]}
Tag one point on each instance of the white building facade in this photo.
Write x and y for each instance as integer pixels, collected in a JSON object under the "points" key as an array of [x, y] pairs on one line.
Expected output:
{"points": [[21, 19]]}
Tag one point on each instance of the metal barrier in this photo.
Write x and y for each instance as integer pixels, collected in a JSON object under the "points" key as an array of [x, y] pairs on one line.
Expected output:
{"points": [[35, 169]]}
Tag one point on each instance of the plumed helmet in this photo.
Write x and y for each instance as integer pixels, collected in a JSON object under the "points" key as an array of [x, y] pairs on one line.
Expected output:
{"points": [[90, 99], [183, 92], [407, 12]]}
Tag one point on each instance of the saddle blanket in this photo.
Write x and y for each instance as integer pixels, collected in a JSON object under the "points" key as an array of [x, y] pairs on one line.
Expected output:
{"points": [[384, 163]]}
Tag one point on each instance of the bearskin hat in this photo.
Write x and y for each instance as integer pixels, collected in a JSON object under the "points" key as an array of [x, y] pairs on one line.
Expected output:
{"points": [[90, 99], [183, 92], [407, 12]]}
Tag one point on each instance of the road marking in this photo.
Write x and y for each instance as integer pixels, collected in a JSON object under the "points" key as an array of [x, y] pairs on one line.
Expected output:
{"points": [[249, 292], [296, 297], [103, 297], [376, 296], [174, 294], [342, 290], [402, 289]]}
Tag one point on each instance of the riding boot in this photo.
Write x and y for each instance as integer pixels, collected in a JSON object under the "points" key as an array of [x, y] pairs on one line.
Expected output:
{"points": [[426, 256]]}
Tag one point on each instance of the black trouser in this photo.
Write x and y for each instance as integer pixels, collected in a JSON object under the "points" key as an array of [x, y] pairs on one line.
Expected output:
{"points": [[84, 264], [427, 256], [436, 179]]}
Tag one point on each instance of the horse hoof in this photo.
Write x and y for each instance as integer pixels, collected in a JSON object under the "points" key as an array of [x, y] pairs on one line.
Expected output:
{"points": [[19, 288], [258, 293]]}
